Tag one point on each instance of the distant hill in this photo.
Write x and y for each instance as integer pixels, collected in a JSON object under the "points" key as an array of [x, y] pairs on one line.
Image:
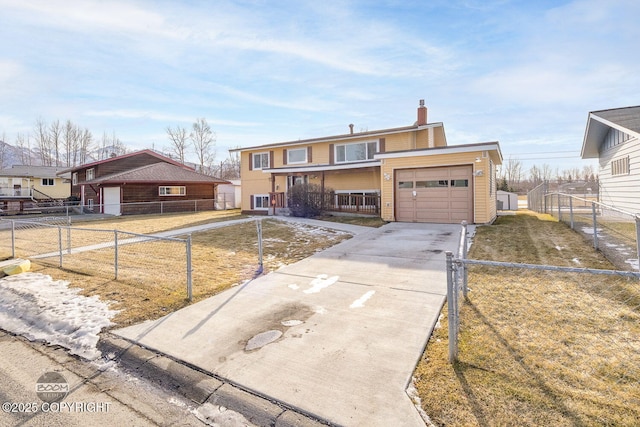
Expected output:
{"points": [[10, 155]]}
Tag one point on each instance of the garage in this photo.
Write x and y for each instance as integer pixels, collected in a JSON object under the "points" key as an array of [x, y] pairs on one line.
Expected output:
{"points": [[434, 194]]}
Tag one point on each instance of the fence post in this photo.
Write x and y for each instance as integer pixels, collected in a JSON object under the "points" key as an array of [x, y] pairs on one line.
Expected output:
{"points": [[60, 244], [13, 238], [68, 234], [189, 272], [465, 288], [571, 211], [161, 208], [451, 303], [595, 225], [559, 209], [115, 247]]}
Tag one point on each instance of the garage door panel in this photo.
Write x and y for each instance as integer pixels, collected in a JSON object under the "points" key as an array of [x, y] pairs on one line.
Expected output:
{"points": [[439, 194]]}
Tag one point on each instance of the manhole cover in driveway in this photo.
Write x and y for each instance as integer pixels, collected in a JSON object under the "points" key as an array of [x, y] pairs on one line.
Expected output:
{"points": [[262, 339]]}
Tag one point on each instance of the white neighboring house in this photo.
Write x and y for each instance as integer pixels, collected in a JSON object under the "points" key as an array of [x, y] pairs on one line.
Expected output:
{"points": [[613, 137]]}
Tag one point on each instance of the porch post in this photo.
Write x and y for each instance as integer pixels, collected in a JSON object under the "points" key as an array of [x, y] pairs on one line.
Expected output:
{"points": [[273, 191]]}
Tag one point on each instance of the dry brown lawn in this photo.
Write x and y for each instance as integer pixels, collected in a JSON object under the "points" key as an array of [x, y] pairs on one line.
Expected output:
{"points": [[537, 348], [151, 283]]}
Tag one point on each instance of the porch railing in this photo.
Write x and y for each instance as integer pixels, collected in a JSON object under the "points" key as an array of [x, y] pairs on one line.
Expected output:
{"points": [[368, 204]]}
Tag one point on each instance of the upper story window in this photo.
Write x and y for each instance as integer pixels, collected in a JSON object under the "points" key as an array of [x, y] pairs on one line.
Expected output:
{"points": [[74, 178], [172, 190], [91, 174], [260, 160], [355, 152], [297, 155], [47, 182], [615, 137]]}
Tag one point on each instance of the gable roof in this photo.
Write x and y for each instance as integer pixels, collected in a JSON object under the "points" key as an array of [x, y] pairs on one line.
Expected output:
{"points": [[152, 153], [31, 171], [599, 122], [158, 173]]}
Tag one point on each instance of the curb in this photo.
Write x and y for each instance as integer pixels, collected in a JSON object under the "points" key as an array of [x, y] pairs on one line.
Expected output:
{"points": [[201, 387]]}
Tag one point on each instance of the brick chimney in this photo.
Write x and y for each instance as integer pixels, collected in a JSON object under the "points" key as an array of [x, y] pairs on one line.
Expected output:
{"points": [[422, 114]]}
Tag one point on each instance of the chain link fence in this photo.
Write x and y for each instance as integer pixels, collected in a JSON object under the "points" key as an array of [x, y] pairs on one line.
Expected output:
{"points": [[112, 254], [575, 331], [613, 231]]}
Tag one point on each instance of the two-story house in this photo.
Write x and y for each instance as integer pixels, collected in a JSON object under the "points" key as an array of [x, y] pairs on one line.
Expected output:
{"points": [[23, 187], [124, 184], [402, 174]]}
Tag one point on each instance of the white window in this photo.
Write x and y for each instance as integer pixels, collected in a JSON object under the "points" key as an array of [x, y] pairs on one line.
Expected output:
{"points": [[74, 178], [355, 152], [297, 155], [91, 174], [47, 182], [172, 190], [260, 160], [261, 201]]}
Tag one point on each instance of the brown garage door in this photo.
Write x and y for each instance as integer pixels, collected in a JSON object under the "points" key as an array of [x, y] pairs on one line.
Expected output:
{"points": [[442, 194]]}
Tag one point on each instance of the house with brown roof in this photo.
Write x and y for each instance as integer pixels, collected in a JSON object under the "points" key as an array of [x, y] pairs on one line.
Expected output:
{"points": [[142, 182], [613, 137], [407, 173]]}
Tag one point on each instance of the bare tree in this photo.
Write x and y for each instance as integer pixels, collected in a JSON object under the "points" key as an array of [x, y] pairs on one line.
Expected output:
{"points": [[512, 170], [24, 145], [43, 142], [204, 140], [179, 141], [85, 145], [71, 142], [55, 134]]}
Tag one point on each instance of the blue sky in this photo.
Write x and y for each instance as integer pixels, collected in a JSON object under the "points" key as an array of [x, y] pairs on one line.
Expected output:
{"points": [[523, 73]]}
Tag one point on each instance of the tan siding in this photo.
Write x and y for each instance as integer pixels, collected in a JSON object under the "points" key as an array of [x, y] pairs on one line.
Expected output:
{"points": [[484, 210]]}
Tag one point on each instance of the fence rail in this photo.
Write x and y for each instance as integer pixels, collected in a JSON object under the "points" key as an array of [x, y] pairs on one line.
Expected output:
{"points": [[223, 201], [613, 231], [112, 254], [582, 322]]}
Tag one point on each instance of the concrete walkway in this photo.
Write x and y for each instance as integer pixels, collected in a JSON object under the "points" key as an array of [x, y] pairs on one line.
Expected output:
{"points": [[336, 335]]}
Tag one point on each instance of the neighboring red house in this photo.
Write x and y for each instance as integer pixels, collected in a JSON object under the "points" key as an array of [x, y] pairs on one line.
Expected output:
{"points": [[120, 185]]}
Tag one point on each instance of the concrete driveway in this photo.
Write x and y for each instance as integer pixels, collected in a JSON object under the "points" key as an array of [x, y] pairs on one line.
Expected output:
{"points": [[336, 335]]}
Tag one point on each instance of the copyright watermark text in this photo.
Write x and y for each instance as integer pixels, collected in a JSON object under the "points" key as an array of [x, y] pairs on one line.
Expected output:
{"points": [[56, 407]]}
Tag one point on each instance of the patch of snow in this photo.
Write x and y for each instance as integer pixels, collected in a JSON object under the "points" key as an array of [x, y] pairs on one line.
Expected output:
{"points": [[320, 309], [291, 322], [360, 301], [558, 247], [320, 282], [39, 308], [576, 260], [611, 245], [412, 392], [633, 263], [589, 230], [293, 286]]}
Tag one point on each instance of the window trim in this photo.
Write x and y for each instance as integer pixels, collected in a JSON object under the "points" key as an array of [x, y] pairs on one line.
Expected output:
{"points": [[304, 150], [255, 202], [182, 190], [92, 172], [368, 156], [49, 180], [74, 178], [253, 160]]}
